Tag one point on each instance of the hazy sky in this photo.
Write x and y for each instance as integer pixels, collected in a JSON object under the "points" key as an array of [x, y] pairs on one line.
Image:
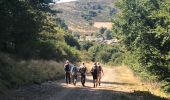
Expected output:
{"points": [[62, 1]]}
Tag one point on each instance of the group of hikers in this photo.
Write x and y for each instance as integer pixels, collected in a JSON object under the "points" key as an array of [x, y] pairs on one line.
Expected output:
{"points": [[71, 73]]}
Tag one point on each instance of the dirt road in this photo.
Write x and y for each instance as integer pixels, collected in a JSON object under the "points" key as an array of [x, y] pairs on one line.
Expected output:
{"points": [[118, 83]]}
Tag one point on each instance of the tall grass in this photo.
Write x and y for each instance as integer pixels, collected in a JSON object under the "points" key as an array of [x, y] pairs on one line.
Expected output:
{"points": [[16, 72]]}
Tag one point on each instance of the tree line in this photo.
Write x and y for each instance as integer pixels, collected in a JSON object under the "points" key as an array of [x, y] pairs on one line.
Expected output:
{"points": [[29, 28], [32, 42], [143, 26]]}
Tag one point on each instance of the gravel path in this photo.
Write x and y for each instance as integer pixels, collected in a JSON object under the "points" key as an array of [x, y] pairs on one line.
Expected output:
{"points": [[116, 85]]}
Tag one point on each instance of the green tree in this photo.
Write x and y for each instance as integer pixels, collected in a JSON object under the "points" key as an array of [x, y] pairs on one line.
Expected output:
{"points": [[143, 27], [70, 40], [19, 24], [29, 31], [85, 45], [61, 23], [103, 56], [93, 51], [102, 30], [108, 35]]}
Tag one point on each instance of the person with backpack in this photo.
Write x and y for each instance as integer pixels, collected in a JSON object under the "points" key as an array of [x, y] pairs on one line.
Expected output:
{"points": [[83, 71], [94, 72], [101, 73], [74, 71], [67, 69]]}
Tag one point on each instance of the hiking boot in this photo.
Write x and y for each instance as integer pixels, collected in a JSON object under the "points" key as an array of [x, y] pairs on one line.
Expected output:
{"points": [[83, 84]]}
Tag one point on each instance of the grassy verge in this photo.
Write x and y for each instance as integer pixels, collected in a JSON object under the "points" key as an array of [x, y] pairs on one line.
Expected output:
{"points": [[17, 72], [127, 75]]}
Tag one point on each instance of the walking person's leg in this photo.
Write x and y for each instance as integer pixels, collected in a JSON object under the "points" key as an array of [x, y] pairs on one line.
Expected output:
{"points": [[72, 78], [75, 79], [84, 80], [69, 77], [66, 77], [99, 79], [95, 80], [96, 83], [81, 79]]}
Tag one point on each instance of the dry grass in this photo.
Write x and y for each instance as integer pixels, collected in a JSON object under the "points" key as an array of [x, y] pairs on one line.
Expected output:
{"points": [[82, 30], [107, 25], [72, 11], [19, 72], [49, 69], [125, 75]]}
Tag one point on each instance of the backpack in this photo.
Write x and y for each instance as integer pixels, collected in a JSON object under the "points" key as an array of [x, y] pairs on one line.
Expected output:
{"points": [[83, 70], [67, 67], [100, 68], [74, 69], [94, 70]]}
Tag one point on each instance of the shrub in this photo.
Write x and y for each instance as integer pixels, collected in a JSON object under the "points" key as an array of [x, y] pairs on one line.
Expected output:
{"points": [[16, 72], [85, 45]]}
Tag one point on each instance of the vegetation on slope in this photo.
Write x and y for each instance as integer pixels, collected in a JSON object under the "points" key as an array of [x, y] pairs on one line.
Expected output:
{"points": [[143, 28], [81, 15], [31, 41]]}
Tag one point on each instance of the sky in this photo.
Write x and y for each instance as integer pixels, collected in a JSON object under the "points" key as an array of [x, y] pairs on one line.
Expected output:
{"points": [[62, 1]]}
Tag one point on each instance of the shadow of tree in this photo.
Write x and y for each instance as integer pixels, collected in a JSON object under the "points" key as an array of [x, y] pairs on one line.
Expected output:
{"points": [[106, 82], [117, 83], [55, 91]]}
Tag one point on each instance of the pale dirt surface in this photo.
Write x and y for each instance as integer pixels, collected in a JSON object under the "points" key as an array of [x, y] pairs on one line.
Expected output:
{"points": [[118, 83], [107, 25]]}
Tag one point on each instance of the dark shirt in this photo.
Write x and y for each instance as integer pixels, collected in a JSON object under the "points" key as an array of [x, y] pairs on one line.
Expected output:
{"points": [[67, 67]]}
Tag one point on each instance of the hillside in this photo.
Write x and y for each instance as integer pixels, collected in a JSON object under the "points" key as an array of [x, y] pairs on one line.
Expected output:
{"points": [[81, 15]]}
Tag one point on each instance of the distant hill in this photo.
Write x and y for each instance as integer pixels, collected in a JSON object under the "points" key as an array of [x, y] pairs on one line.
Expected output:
{"points": [[82, 14]]}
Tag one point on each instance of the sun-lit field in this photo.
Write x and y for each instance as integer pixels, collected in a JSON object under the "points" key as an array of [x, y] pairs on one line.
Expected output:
{"points": [[107, 25], [125, 75], [131, 82]]}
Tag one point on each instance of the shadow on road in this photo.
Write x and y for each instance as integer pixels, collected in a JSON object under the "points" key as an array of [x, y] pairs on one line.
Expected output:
{"points": [[116, 83], [57, 91], [102, 94]]}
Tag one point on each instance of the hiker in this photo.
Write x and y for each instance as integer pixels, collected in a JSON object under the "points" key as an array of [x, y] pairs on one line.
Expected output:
{"points": [[74, 71], [101, 73], [67, 69], [83, 71], [94, 72]]}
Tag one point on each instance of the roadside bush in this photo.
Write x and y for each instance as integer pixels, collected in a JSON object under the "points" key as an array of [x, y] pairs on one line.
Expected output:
{"points": [[103, 56], [106, 54], [71, 41], [32, 39], [16, 72], [85, 45], [68, 52], [144, 32], [117, 58], [93, 52]]}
